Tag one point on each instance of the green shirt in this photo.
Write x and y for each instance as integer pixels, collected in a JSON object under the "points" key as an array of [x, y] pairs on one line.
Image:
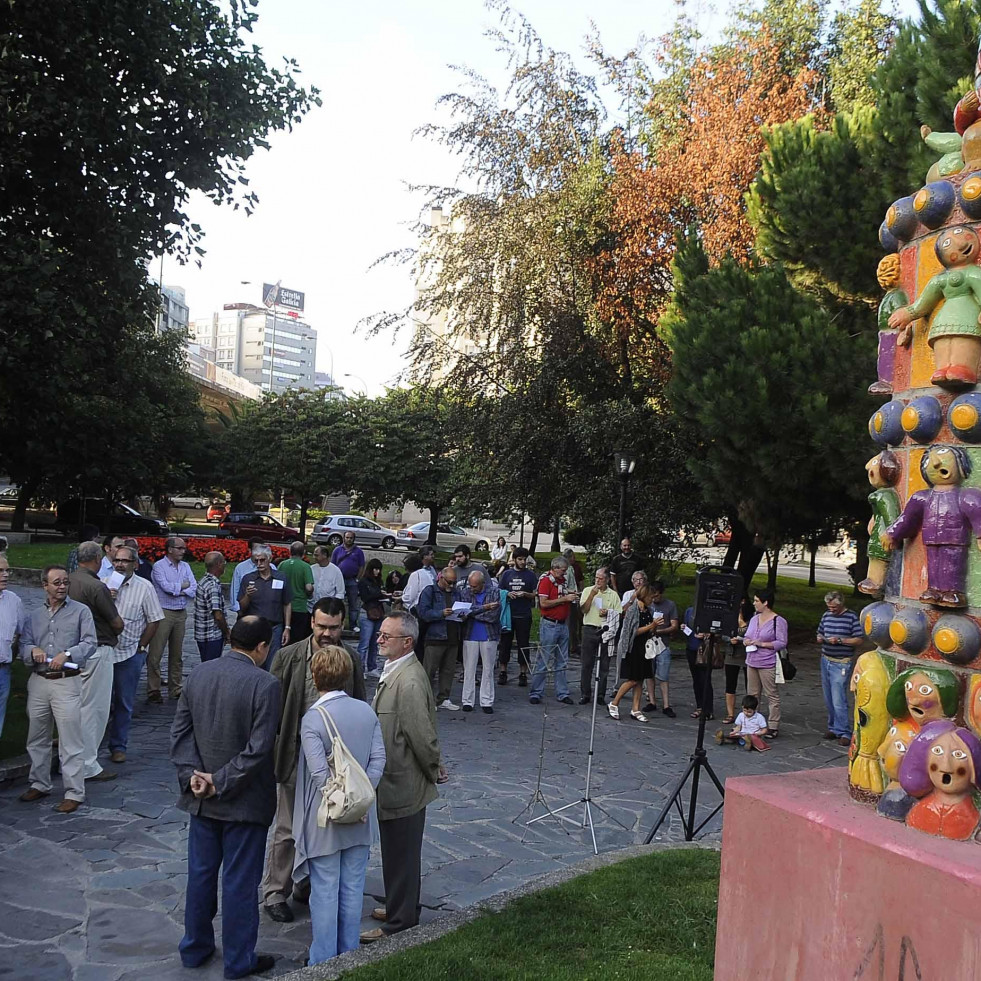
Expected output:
{"points": [[298, 573], [609, 599]]}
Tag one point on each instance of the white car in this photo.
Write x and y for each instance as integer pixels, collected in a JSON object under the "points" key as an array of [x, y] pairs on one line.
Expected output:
{"points": [[190, 501], [447, 537]]}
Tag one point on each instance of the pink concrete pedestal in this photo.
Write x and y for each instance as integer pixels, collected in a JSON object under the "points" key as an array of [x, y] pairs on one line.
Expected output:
{"points": [[816, 886]]}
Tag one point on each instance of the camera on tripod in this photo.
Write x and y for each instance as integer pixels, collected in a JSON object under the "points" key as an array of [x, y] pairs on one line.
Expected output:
{"points": [[718, 593]]}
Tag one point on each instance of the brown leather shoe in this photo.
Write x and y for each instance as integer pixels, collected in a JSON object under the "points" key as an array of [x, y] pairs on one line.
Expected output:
{"points": [[103, 776], [67, 806], [380, 913], [32, 795], [371, 936], [118, 757], [154, 698]]}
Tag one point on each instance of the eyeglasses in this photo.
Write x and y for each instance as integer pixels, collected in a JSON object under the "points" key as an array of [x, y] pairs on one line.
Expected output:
{"points": [[125, 561], [384, 636], [57, 582]]}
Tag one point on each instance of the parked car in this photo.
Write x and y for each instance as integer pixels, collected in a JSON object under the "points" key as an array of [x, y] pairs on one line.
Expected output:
{"points": [[723, 536], [331, 531], [190, 501], [447, 536], [217, 511], [109, 517], [252, 524]]}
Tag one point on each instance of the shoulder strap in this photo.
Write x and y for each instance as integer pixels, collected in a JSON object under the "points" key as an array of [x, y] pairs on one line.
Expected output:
{"points": [[329, 724]]}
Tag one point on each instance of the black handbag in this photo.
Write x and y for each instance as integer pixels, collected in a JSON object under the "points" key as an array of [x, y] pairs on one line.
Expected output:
{"points": [[789, 668]]}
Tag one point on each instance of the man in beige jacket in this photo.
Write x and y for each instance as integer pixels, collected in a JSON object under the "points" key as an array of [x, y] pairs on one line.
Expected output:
{"points": [[406, 710]]}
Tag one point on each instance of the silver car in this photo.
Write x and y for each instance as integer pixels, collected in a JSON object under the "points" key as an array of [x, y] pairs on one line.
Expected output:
{"points": [[447, 537], [331, 531]]}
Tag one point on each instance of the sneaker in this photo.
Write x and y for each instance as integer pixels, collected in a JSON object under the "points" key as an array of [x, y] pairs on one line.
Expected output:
{"points": [[669, 712], [535, 700], [502, 678], [566, 701], [522, 680], [467, 708], [355, 630], [448, 705], [649, 707], [487, 710]]}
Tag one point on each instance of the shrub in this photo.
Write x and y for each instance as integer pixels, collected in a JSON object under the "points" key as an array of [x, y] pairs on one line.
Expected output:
{"points": [[234, 549]]}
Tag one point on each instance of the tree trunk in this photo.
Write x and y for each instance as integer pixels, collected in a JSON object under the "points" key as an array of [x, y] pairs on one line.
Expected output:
{"points": [[534, 534], [861, 564], [556, 544], [24, 495], [771, 577], [433, 525], [743, 553], [811, 581], [303, 517]]}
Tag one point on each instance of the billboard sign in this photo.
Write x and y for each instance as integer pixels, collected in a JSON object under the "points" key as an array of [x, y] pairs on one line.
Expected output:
{"points": [[274, 294]]}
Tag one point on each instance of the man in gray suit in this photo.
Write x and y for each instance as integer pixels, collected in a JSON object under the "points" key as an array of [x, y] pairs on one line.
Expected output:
{"points": [[222, 745], [406, 710]]}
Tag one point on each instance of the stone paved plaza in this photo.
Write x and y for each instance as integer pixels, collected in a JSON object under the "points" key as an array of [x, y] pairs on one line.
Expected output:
{"points": [[98, 895]]}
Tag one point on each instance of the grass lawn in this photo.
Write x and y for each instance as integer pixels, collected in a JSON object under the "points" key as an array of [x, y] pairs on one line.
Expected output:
{"points": [[14, 737], [646, 918]]}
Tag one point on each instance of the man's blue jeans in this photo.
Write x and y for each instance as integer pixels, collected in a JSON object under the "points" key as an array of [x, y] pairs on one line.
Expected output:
{"points": [[835, 676], [125, 680], [353, 601], [368, 642], [236, 848], [4, 692], [336, 898], [553, 647]]}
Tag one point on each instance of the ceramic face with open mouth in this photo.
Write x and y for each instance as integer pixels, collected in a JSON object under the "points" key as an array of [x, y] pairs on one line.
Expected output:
{"points": [[922, 699]]}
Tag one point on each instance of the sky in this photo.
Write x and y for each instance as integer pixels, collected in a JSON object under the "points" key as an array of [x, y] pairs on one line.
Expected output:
{"points": [[333, 193]]}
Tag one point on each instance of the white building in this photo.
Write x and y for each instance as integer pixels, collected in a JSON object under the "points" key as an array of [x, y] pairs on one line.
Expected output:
{"points": [[173, 313], [260, 346]]}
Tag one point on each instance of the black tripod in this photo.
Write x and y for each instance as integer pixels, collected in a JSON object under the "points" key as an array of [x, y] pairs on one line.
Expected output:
{"points": [[696, 762]]}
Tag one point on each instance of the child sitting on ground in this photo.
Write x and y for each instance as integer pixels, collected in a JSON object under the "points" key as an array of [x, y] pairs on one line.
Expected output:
{"points": [[747, 728]]}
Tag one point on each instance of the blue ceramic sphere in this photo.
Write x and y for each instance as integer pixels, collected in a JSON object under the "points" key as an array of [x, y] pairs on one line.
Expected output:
{"points": [[969, 196], [964, 417], [887, 240], [933, 204], [886, 424], [876, 618], [957, 638], [910, 629], [901, 219], [922, 418]]}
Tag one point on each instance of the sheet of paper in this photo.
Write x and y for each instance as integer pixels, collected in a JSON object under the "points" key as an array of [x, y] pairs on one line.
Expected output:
{"points": [[657, 616], [115, 580], [686, 630], [277, 584], [598, 602], [459, 607], [68, 664], [751, 648]]}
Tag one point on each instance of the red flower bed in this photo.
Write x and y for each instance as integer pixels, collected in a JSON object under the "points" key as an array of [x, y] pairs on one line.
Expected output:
{"points": [[234, 549]]}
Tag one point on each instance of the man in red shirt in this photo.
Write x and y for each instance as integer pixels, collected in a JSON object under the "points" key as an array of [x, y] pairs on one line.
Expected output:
{"points": [[556, 600]]}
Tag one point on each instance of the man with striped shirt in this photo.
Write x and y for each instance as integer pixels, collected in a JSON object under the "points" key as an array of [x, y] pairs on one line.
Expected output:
{"points": [[137, 603], [839, 633], [11, 626]]}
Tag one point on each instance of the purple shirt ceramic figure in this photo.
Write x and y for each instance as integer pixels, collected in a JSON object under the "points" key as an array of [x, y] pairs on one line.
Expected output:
{"points": [[946, 516]]}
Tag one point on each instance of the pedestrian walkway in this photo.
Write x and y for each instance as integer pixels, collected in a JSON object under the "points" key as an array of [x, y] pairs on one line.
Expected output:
{"points": [[98, 895]]}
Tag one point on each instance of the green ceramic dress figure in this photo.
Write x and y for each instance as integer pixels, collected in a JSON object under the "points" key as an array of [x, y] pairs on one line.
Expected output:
{"points": [[883, 471], [955, 334], [888, 274]]}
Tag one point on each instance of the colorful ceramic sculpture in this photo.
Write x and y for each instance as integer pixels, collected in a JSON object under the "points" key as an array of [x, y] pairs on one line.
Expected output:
{"points": [[883, 471], [921, 695], [949, 146], [888, 275], [943, 766], [945, 517], [895, 802], [967, 122], [870, 683], [972, 711], [955, 332]]}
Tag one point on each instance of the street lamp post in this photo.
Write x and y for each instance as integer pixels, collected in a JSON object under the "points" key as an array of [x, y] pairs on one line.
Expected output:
{"points": [[364, 384], [623, 463]]}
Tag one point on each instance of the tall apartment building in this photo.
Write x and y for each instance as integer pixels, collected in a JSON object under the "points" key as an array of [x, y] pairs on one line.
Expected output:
{"points": [[260, 346], [173, 312]]}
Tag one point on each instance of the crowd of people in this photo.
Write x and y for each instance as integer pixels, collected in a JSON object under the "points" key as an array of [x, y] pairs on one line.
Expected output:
{"points": [[255, 730]]}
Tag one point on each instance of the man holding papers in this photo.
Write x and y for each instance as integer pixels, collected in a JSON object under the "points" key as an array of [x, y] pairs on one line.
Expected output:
{"points": [[58, 638], [598, 602]]}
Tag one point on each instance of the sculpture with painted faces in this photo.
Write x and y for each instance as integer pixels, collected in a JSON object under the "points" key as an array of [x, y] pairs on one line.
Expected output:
{"points": [[883, 470], [942, 767], [972, 710], [870, 682], [922, 695], [954, 333], [895, 803]]}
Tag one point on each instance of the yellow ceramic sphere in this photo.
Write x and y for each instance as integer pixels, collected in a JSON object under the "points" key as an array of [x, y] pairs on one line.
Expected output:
{"points": [[921, 200], [877, 422], [898, 631], [947, 640], [910, 418], [971, 188], [963, 416]]}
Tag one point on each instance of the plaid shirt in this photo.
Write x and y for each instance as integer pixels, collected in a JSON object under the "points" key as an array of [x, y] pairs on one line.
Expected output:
{"points": [[137, 604], [209, 597]]}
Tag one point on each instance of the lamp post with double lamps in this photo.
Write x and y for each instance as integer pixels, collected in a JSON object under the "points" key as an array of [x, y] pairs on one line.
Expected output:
{"points": [[623, 463]]}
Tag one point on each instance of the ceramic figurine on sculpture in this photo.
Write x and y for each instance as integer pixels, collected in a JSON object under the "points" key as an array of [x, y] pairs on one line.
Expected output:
{"points": [[943, 766], [895, 802], [972, 710], [955, 334], [883, 471], [921, 695], [870, 682], [946, 516], [967, 122], [949, 146], [888, 274]]}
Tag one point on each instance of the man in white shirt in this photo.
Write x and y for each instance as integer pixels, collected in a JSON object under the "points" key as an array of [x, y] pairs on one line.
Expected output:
{"points": [[109, 545], [328, 581], [420, 578], [11, 624]]}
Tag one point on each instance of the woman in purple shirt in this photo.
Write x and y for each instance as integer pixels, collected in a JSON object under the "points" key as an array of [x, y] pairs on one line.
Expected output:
{"points": [[765, 637]]}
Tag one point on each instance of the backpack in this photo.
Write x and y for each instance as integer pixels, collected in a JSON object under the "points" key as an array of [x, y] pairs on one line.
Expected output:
{"points": [[347, 795]]}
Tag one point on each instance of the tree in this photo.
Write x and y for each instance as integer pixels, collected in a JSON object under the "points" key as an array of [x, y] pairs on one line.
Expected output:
{"points": [[114, 115], [860, 39], [768, 381]]}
